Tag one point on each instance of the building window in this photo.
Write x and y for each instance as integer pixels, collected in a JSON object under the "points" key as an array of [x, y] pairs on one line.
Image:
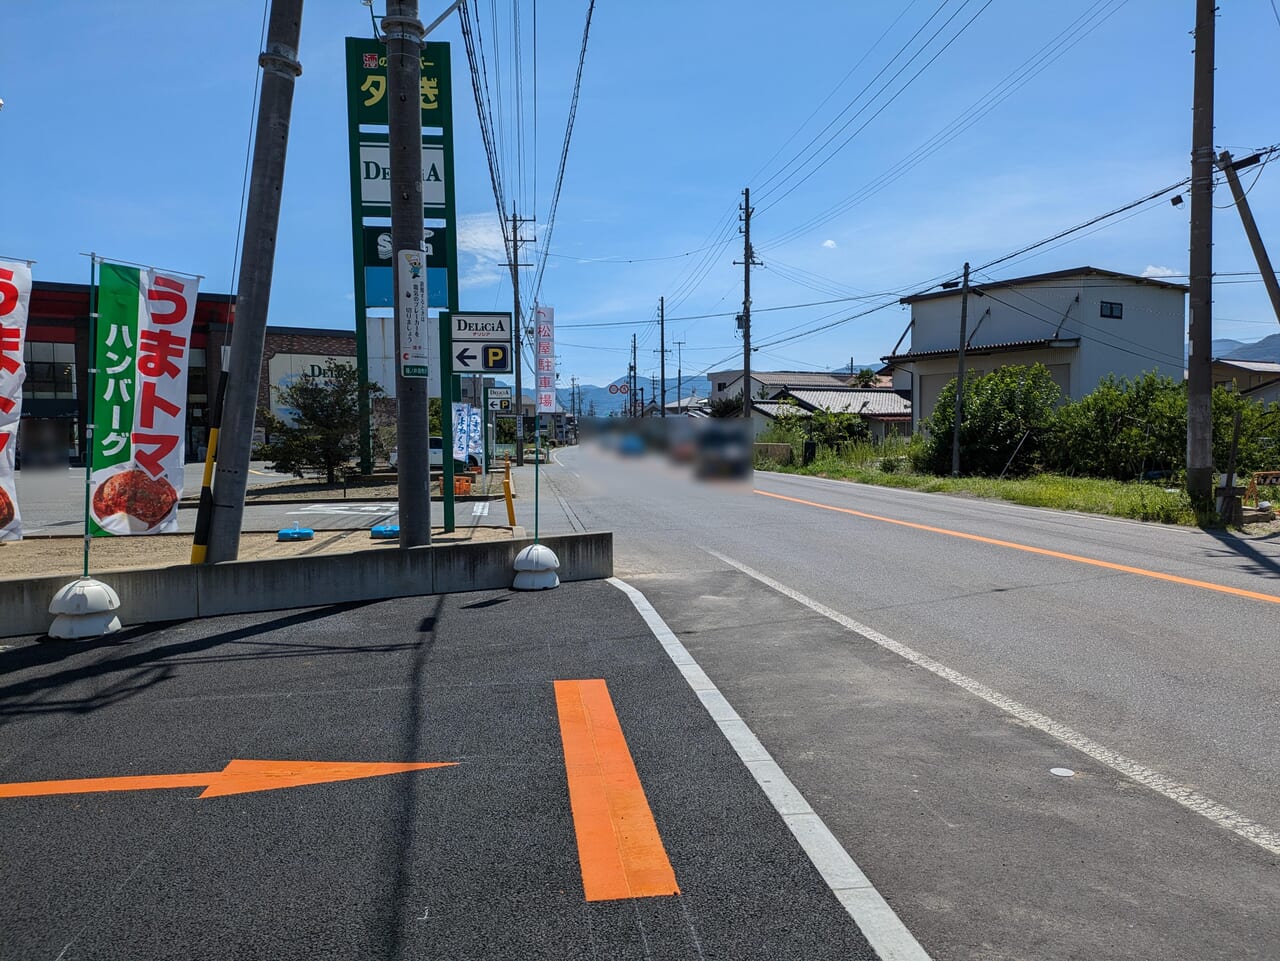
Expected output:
{"points": [[51, 371], [721, 385], [1111, 308]]}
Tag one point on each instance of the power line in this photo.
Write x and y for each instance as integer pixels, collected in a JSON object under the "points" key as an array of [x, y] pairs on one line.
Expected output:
{"points": [[564, 154], [928, 63], [1048, 54]]}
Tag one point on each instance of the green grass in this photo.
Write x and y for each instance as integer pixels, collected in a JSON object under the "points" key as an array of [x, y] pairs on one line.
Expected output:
{"points": [[1136, 500]]}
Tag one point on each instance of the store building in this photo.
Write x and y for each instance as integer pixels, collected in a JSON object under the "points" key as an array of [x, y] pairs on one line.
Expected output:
{"points": [[55, 401]]}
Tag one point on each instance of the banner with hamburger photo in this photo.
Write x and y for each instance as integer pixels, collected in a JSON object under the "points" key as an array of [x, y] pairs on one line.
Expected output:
{"points": [[15, 301], [142, 349]]}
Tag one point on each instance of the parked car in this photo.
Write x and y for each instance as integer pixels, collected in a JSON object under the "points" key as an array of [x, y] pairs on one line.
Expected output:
{"points": [[435, 448]]}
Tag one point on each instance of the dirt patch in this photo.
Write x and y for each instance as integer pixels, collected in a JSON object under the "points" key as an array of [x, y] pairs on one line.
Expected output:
{"points": [[41, 556]]}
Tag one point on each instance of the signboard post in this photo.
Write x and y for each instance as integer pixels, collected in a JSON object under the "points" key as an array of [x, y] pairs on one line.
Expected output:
{"points": [[372, 272]]}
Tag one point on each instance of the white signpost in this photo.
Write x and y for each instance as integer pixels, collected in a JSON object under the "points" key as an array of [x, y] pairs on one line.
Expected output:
{"points": [[411, 290], [480, 343]]}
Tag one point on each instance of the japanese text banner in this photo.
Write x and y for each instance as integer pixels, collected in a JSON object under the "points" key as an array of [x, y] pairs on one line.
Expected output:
{"points": [[544, 358], [140, 399], [15, 302]]}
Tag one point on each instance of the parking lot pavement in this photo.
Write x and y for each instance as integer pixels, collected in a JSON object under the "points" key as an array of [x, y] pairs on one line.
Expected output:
{"points": [[591, 807]]}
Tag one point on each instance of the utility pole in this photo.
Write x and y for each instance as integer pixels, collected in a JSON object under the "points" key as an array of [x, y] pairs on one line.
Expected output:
{"points": [[662, 347], [964, 323], [280, 69], [1229, 167], [631, 379], [1200, 363], [680, 373], [404, 32], [748, 259], [517, 327]]}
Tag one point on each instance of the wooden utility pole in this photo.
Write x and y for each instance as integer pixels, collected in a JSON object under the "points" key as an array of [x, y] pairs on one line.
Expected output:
{"points": [[964, 324], [680, 373], [662, 351], [1200, 363], [1229, 167], [631, 380], [280, 69], [403, 33], [748, 259]]}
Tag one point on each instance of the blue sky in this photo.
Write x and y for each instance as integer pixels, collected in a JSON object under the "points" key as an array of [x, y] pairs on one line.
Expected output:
{"points": [[125, 125]]}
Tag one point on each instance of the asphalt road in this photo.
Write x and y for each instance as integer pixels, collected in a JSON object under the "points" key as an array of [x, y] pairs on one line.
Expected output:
{"points": [[1141, 657], [491, 857], [918, 665]]}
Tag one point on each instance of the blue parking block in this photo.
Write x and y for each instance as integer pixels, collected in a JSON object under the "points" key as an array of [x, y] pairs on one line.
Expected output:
{"points": [[295, 533], [385, 531]]}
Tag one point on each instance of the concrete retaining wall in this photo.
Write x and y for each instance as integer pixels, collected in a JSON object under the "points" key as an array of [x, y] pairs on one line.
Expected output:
{"points": [[237, 587]]}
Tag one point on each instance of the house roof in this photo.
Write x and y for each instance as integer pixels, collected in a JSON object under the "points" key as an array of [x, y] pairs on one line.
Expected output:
{"points": [[865, 402], [795, 378], [1254, 366], [770, 408], [1040, 278], [982, 349]]}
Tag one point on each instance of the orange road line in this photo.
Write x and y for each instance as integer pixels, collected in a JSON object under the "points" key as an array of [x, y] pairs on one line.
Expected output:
{"points": [[238, 777], [1093, 562], [619, 848]]}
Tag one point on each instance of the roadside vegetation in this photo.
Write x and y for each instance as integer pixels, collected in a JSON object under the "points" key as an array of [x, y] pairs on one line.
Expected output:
{"points": [[1120, 450]]}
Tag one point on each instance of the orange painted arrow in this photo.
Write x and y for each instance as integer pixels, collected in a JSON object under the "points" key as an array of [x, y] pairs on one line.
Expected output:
{"points": [[238, 777]]}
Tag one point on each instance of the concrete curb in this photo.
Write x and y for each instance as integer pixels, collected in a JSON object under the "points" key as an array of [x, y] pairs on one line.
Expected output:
{"points": [[188, 591]]}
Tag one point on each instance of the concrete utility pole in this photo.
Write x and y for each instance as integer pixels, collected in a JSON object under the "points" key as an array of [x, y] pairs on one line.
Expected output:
{"points": [[1200, 363], [631, 379], [1229, 167], [280, 68], [404, 34], [964, 323], [748, 259], [662, 350], [517, 328], [680, 373]]}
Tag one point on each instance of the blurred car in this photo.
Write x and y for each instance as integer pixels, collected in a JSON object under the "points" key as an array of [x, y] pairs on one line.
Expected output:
{"points": [[435, 448], [723, 450]]}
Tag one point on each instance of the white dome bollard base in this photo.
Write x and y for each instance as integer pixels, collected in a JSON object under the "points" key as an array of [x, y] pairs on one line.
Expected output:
{"points": [[84, 608], [536, 568]]}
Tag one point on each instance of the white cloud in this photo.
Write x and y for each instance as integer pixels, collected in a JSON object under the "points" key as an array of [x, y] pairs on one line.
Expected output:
{"points": [[480, 236], [830, 244], [1154, 271]]}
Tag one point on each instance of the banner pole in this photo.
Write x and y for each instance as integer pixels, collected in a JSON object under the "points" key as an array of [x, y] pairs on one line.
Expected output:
{"points": [[91, 369], [537, 466]]}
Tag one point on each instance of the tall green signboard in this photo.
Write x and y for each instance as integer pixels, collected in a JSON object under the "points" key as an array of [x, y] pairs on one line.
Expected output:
{"points": [[373, 273]]}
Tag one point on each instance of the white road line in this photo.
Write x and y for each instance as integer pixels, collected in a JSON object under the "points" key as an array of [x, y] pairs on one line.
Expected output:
{"points": [[1219, 814], [877, 921], [480, 509]]}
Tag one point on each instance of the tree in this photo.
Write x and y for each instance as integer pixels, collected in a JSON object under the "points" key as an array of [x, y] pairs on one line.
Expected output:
{"points": [[726, 406], [865, 377], [325, 433], [1006, 415], [1122, 428]]}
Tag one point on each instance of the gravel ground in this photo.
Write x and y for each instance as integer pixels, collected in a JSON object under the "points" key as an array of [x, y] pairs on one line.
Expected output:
{"points": [[38, 556]]}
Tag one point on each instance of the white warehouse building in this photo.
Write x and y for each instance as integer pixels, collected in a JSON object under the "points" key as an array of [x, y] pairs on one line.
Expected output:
{"points": [[1082, 324]]}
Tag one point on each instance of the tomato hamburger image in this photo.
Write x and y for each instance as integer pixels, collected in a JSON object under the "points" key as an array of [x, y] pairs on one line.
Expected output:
{"points": [[6, 508], [133, 492]]}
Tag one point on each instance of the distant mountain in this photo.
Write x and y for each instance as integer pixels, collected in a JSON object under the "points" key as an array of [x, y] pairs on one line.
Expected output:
{"points": [[1267, 349], [606, 402]]}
